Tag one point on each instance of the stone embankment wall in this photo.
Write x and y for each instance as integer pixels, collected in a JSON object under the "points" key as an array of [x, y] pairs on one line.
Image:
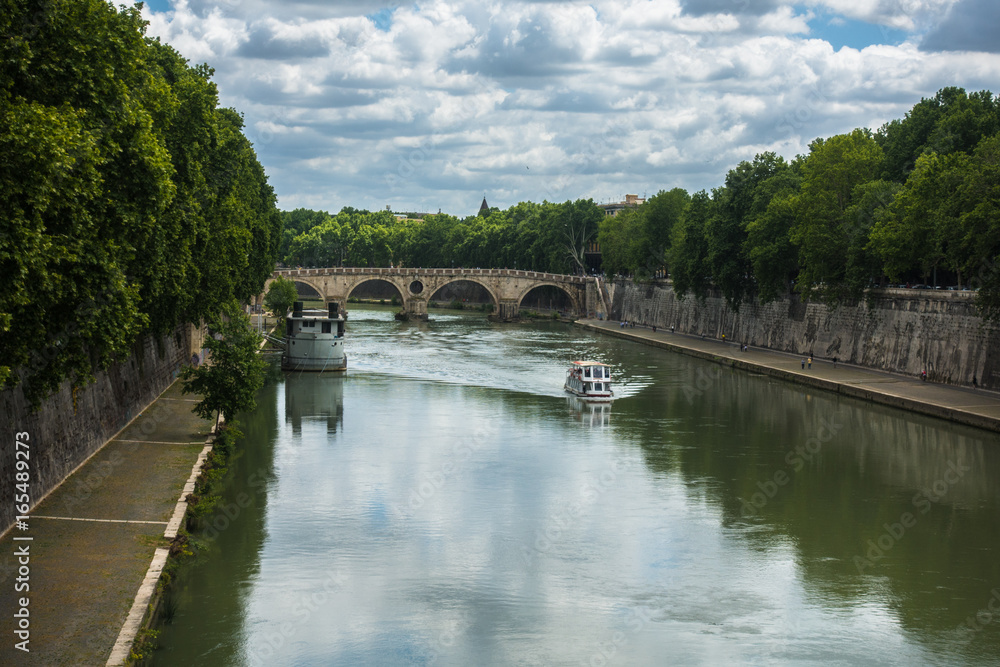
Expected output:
{"points": [[901, 330], [70, 426]]}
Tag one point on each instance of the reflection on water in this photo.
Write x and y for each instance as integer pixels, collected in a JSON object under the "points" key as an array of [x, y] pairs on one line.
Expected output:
{"points": [[445, 503], [596, 414], [314, 397]]}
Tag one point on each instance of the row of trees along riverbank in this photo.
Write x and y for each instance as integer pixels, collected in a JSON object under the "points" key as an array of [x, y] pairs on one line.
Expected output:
{"points": [[916, 200], [130, 201]]}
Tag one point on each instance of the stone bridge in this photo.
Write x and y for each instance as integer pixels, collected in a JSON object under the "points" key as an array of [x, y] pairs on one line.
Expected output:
{"points": [[506, 287]]}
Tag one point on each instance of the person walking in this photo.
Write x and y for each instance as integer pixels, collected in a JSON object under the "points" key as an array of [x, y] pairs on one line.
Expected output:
{"points": [[803, 363], [810, 362]]}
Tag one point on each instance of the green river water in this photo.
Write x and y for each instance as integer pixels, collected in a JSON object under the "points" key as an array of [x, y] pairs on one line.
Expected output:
{"points": [[445, 502]]}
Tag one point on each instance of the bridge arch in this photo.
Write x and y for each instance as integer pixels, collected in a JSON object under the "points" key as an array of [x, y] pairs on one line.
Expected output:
{"points": [[573, 299], [310, 286], [438, 286], [375, 279]]}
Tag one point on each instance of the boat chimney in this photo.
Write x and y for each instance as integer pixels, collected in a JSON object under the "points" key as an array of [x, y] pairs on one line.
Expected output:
{"points": [[333, 306], [297, 308]]}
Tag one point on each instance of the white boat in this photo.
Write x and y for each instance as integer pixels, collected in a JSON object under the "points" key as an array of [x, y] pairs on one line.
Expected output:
{"points": [[314, 340], [590, 380]]}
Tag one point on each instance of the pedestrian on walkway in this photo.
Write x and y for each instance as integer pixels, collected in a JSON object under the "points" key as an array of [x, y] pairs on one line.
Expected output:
{"points": [[923, 375], [835, 362], [671, 328], [810, 362], [654, 328], [803, 363], [975, 383]]}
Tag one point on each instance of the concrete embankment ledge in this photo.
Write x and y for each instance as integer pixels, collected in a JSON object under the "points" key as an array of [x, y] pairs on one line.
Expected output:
{"points": [[973, 407]]}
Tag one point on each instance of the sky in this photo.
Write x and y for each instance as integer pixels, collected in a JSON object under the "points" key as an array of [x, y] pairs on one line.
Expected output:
{"points": [[432, 106]]}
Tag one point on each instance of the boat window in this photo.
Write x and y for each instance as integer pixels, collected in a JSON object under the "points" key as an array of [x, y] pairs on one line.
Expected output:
{"points": [[598, 386], [327, 327], [586, 372]]}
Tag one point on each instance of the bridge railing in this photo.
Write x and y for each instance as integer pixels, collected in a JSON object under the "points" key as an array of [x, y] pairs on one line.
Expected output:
{"points": [[413, 271]]}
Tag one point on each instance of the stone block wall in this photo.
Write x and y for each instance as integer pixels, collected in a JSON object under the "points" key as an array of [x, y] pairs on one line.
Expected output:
{"points": [[72, 425], [901, 330]]}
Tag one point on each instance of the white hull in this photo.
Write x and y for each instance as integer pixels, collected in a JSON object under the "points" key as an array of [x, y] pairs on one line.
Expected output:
{"points": [[591, 381], [591, 396], [314, 343]]}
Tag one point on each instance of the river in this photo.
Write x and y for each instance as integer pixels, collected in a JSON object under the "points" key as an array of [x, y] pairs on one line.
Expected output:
{"points": [[444, 502]]}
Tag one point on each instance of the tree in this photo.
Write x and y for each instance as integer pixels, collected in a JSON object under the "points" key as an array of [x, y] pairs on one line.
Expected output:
{"points": [[919, 231], [229, 382], [823, 229], [620, 237], [281, 296], [657, 218], [737, 204], [689, 265], [577, 221]]}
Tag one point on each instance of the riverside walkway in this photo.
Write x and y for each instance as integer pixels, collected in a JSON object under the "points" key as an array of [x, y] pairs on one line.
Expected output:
{"points": [[973, 407], [100, 536]]}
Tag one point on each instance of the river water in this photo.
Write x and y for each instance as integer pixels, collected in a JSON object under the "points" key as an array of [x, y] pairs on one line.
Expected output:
{"points": [[444, 502]]}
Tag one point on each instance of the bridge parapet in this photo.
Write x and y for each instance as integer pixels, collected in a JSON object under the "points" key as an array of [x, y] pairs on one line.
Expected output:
{"points": [[507, 287]]}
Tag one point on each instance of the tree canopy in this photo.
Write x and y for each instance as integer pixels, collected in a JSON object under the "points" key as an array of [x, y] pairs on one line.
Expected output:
{"points": [[129, 201]]}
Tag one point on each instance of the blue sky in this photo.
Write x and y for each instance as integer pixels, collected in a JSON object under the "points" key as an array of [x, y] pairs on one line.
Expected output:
{"points": [[427, 106]]}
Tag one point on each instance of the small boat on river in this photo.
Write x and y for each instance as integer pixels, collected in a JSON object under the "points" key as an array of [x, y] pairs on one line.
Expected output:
{"points": [[590, 380], [314, 340]]}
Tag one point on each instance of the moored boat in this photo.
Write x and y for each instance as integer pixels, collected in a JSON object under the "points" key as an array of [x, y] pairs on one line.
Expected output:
{"points": [[314, 340], [590, 380]]}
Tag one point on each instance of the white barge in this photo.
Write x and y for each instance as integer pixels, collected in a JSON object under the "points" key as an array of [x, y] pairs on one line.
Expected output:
{"points": [[590, 380], [314, 340]]}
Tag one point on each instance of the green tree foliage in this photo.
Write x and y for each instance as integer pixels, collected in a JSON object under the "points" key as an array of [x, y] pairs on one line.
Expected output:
{"points": [[128, 201], [979, 197], [737, 205], [689, 263], [823, 229], [773, 257], [948, 122], [540, 237], [234, 373], [621, 240], [281, 296], [918, 233]]}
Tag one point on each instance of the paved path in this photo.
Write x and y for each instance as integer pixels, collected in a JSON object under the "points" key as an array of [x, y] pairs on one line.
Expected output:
{"points": [[967, 406], [94, 537]]}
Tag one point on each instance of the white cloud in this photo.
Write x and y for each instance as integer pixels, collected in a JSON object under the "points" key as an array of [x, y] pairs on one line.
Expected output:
{"points": [[528, 101]]}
